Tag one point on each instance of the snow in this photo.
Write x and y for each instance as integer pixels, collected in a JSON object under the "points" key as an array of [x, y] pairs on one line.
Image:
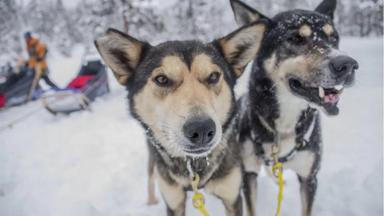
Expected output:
{"points": [[94, 163]]}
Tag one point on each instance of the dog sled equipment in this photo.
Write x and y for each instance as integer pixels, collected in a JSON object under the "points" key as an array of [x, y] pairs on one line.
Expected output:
{"points": [[90, 83], [15, 88]]}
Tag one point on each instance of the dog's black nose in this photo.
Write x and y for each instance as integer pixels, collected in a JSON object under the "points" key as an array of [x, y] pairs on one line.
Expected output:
{"points": [[343, 65], [200, 131]]}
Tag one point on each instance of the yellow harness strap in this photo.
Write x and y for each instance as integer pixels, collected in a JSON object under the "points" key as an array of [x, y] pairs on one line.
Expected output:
{"points": [[277, 170], [198, 200]]}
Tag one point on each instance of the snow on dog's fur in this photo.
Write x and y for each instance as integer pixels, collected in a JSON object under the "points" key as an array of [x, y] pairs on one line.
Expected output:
{"points": [[298, 70]]}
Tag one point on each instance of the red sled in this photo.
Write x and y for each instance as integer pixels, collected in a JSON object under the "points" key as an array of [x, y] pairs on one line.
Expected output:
{"points": [[90, 83]]}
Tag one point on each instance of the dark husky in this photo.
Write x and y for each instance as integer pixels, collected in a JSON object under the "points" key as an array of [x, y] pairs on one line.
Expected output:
{"points": [[182, 94], [297, 72]]}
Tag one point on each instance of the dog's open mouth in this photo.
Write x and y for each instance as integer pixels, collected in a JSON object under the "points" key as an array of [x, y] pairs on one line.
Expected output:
{"points": [[325, 97]]}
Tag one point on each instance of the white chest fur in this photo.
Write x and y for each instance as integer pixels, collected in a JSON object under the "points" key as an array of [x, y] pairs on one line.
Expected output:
{"points": [[290, 109]]}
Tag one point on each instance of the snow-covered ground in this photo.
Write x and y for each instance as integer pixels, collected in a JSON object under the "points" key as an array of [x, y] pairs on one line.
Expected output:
{"points": [[94, 163]]}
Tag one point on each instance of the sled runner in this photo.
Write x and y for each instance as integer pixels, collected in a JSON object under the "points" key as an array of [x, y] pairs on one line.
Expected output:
{"points": [[90, 83]]}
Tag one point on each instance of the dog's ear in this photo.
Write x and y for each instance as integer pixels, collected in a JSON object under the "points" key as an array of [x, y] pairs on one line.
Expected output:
{"points": [[245, 14], [122, 53], [240, 47], [327, 7]]}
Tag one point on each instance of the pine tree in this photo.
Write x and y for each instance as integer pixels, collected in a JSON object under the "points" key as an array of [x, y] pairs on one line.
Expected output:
{"points": [[9, 31], [156, 20]]}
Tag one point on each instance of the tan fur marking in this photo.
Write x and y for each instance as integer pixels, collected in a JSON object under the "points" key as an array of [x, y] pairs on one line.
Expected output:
{"points": [[299, 66], [165, 110], [222, 104], [131, 49], [174, 68], [173, 195], [328, 29], [270, 64], [219, 96], [252, 36], [227, 188], [202, 67], [305, 31]]}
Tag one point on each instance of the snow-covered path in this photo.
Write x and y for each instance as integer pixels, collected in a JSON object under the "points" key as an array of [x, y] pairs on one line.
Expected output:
{"points": [[94, 163]]}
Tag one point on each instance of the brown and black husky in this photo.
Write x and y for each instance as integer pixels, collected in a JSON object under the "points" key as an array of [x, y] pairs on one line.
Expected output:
{"points": [[182, 94], [298, 71]]}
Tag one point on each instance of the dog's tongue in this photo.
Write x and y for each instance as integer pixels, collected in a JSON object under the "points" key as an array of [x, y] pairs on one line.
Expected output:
{"points": [[331, 98]]}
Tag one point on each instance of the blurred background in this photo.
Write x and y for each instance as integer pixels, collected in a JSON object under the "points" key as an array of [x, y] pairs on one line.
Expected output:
{"points": [[93, 162], [63, 24]]}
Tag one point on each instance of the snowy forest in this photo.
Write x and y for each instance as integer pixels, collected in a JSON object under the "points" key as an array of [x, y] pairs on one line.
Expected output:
{"points": [[63, 27], [93, 161]]}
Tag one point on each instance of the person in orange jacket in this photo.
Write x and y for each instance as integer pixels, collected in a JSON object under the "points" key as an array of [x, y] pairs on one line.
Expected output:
{"points": [[37, 52]]}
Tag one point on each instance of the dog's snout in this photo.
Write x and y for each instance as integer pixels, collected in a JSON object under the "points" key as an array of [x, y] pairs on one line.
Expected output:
{"points": [[200, 131], [343, 65]]}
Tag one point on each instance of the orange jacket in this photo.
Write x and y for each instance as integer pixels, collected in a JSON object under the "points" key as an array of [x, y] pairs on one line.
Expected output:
{"points": [[37, 52]]}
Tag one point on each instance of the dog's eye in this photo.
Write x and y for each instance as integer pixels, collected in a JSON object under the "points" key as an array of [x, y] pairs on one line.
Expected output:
{"points": [[296, 39], [162, 80], [213, 78]]}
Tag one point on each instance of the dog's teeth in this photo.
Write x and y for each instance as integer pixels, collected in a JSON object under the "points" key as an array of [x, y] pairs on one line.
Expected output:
{"points": [[339, 87], [321, 92], [339, 92]]}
